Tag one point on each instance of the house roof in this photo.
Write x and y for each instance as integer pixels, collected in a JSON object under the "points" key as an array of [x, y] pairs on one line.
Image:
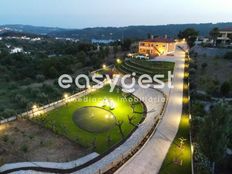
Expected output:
{"points": [[226, 29], [164, 40]]}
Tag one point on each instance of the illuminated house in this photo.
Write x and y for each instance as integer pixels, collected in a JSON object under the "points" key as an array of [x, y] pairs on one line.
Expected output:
{"points": [[157, 46]]}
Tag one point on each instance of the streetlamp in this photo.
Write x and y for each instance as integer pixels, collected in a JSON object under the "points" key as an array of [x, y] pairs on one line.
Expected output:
{"points": [[104, 66]]}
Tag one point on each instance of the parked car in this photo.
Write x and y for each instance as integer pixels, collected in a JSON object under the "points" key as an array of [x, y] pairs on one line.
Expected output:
{"points": [[141, 57]]}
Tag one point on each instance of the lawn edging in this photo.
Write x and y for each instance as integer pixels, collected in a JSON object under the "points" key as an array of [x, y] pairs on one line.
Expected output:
{"points": [[117, 161], [173, 162]]}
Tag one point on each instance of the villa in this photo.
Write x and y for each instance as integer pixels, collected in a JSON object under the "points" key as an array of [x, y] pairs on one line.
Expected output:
{"points": [[157, 46]]}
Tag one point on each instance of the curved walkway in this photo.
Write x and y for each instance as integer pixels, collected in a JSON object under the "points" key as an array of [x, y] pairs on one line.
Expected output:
{"points": [[154, 107], [149, 159]]}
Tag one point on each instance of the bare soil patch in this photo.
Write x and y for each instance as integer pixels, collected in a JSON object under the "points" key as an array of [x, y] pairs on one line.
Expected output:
{"points": [[22, 141]]}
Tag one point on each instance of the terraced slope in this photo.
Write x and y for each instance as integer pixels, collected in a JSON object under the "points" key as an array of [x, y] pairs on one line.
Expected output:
{"points": [[145, 67]]}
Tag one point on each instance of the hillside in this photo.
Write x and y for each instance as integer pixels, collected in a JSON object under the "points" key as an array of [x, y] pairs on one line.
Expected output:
{"points": [[29, 29], [136, 32]]}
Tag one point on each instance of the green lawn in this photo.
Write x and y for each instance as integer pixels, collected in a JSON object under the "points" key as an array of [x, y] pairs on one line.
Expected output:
{"points": [[178, 160], [169, 167], [141, 67], [61, 121]]}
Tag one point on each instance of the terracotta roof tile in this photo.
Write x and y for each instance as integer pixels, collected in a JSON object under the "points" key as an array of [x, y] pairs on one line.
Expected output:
{"points": [[164, 40]]}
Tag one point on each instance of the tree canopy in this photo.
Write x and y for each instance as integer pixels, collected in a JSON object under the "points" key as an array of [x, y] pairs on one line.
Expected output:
{"points": [[190, 34], [215, 131]]}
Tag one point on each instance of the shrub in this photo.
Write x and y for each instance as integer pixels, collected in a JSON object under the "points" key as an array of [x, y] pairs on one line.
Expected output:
{"points": [[13, 85], [40, 78], [204, 65], [27, 81], [21, 100], [198, 109], [8, 113], [5, 138], [24, 148], [225, 88], [228, 55]]}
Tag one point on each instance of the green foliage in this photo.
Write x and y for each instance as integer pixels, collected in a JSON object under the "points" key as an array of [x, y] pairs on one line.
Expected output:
{"points": [[214, 133], [5, 138], [190, 34], [214, 33], [225, 88], [8, 113], [212, 86], [204, 65], [126, 44], [228, 55], [141, 67], [21, 100], [22, 75], [197, 109], [175, 152], [139, 32], [40, 77], [61, 121], [24, 148]]}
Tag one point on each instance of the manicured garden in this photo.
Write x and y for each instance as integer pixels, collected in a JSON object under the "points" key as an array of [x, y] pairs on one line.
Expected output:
{"points": [[141, 67], [124, 111], [178, 159]]}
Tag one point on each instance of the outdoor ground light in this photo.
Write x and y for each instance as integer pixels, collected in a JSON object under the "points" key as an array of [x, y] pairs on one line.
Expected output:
{"points": [[34, 107], [104, 66], [65, 96], [108, 103], [119, 60]]}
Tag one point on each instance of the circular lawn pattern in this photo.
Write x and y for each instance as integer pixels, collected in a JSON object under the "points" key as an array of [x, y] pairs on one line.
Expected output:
{"points": [[94, 119]]}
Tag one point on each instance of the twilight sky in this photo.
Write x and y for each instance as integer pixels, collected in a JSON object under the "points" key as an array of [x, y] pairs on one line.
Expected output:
{"points": [[94, 13]]}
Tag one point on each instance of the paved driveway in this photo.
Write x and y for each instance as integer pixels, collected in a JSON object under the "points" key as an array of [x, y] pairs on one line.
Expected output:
{"points": [[149, 159]]}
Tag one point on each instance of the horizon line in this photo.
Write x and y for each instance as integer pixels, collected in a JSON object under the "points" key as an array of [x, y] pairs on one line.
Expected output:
{"points": [[81, 28]]}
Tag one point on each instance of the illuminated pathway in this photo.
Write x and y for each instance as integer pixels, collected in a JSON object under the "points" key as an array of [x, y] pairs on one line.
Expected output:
{"points": [[150, 158]]}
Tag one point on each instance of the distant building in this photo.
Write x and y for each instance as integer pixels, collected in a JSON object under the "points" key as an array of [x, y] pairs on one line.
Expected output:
{"points": [[36, 39], [24, 38], [157, 46], [102, 41], [16, 50], [225, 38], [203, 40], [67, 39]]}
